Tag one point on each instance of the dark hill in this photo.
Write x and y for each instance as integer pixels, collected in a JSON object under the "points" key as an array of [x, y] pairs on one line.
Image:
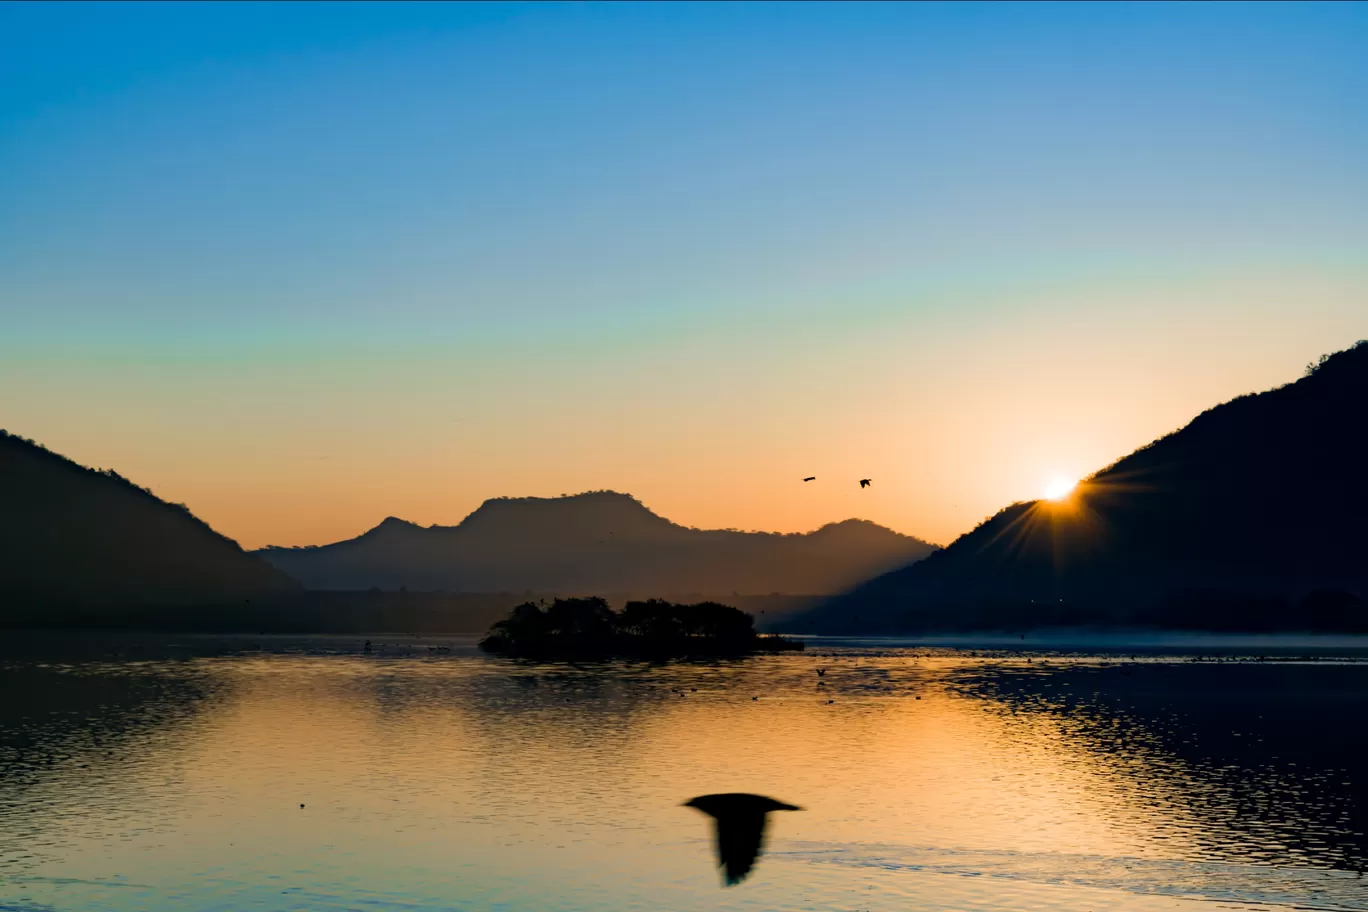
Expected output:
{"points": [[1253, 517], [73, 538], [597, 543]]}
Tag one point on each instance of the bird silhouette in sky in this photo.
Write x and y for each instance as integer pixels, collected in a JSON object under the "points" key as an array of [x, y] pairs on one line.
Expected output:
{"points": [[810, 478], [738, 829], [865, 482]]}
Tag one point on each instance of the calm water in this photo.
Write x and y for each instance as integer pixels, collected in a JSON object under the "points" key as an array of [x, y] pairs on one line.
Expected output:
{"points": [[932, 778]]}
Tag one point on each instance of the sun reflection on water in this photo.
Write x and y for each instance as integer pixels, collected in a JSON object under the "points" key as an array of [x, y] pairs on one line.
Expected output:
{"points": [[930, 780]]}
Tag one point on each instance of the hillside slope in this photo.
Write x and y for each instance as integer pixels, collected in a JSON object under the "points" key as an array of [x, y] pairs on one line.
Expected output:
{"points": [[597, 543], [1252, 517], [78, 538]]}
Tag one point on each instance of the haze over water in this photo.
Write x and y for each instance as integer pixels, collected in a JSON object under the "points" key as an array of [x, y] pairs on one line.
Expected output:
{"points": [[933, 779]]}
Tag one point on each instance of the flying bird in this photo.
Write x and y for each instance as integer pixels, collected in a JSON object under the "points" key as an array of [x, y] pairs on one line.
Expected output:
{"points": [[810, 478], [739, 829], [865, 482]]}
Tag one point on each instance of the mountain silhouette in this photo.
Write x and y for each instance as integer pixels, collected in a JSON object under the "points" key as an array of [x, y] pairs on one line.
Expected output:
{"points": [[597, 542], [79, 538], [1252, 517]]}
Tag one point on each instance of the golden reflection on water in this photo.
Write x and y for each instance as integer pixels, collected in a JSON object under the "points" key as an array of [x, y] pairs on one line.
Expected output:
{"points": [[464, 782]]}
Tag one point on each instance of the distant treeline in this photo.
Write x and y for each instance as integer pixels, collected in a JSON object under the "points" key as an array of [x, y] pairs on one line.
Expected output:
{"points": [[365, 611], [1205, 610], [429, 613], [447, 613], [579, 627]]}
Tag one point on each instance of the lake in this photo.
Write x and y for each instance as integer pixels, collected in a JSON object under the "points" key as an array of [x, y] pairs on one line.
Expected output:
{"points": [[275, 774]]}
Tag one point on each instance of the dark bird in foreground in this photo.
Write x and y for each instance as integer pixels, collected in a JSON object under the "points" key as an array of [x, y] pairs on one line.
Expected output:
{"points": [[865, 482], [821, 672], [810, 478], [739, 829]]}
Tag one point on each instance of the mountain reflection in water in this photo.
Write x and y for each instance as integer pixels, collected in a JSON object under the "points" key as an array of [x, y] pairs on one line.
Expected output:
{"points": [[934, 779]]}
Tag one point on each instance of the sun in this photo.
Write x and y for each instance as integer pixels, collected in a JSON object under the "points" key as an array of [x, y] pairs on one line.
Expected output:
{"points": [[1059, 488]]}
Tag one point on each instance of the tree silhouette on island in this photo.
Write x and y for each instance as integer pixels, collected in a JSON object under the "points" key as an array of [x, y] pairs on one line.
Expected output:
{"points": [[587, 627]]}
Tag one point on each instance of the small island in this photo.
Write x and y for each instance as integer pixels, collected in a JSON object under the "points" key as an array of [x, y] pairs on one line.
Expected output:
{"points": [[588, 628]]}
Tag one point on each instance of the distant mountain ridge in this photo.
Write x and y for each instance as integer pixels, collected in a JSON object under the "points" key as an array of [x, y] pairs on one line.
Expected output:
{"points": [[1252, 517], [598, 542], [78, 538]]}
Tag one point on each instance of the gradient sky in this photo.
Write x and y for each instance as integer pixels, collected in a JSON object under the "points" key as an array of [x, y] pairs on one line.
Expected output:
{"points": [[303, 267]]}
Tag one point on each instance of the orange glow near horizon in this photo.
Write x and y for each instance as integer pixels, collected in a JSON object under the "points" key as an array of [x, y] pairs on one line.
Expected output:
{"points": [[309, 448]]}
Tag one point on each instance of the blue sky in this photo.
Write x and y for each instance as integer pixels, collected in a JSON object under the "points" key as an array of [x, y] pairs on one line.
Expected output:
{"points": [[554, 218]]}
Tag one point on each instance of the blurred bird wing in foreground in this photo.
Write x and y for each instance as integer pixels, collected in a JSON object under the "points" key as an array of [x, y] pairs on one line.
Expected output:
{"points": [[739, 829], [739, 843]]}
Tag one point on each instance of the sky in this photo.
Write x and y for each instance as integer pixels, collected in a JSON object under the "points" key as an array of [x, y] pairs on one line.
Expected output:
{"points": [[302, 267]]}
